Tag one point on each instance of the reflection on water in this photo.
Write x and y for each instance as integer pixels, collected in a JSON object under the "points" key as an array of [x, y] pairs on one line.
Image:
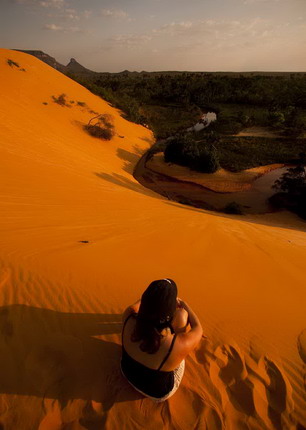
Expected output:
{"points": [[205, 120]]}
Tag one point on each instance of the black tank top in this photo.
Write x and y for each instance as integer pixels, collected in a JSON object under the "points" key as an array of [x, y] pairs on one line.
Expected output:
{"points": [[153, 382]]}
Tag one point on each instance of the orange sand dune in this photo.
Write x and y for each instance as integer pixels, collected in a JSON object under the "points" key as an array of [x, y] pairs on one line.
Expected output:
{"points": [[61, 299]]}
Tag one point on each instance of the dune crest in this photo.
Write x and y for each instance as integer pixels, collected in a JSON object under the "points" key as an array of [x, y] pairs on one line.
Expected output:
{"points": [[81, 240]]}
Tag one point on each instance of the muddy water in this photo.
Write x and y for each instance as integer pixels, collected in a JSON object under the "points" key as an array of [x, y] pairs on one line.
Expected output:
{"points": [[254, 200]]}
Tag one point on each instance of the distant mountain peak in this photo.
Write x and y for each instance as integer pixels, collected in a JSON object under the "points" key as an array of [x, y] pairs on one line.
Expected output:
{"points": [[75, 66], [72, 61]]}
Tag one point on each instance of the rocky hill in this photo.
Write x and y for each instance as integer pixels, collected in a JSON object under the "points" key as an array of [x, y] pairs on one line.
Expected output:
{"points": [[73, 66]]}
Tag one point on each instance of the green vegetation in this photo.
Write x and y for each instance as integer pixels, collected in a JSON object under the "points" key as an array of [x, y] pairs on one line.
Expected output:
{"points": [[238, 153], [168, 102], [100, 126], [291, 189], [179, 118], [184, 151]]}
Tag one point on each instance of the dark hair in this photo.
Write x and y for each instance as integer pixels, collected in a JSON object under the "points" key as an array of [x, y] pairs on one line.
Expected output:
{"points": [[157, 307]]}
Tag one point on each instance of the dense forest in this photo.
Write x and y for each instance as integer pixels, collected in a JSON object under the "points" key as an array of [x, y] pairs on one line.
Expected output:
{"points": [[169, 102]]}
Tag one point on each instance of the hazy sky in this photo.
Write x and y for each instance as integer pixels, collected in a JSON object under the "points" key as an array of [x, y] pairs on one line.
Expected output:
{"points": [[206, 35]]}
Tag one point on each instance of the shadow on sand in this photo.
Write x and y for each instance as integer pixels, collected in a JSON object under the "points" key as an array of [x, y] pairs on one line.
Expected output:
{"points": [[55, 355], [130, 158], [124, 182]]}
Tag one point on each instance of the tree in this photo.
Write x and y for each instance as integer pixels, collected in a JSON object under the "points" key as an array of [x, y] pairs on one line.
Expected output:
{"points": [[292, 181], [292, 187], [184, 151], [276, 118]]}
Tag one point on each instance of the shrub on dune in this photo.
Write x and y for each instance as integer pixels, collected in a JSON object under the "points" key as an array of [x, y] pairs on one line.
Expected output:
{"points": [[60, 100], [101, 126], [12, 63]]}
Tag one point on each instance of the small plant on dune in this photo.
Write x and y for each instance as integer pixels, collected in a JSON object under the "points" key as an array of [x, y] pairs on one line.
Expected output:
{"points": [[12, 63], [60, 100], [83, 104], [101, 126]]}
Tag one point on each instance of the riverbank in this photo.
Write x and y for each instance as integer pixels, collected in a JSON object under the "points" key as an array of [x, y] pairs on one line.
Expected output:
{"points": [[249, 189], [222, 181]]}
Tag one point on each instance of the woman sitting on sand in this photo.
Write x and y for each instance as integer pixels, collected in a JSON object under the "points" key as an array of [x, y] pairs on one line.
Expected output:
{"points": [[155, 341]]}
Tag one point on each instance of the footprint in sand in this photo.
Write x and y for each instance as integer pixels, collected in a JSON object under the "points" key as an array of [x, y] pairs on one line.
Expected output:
{"points": [[230, 377], [235, 377], [279, 395], [235, 369]]}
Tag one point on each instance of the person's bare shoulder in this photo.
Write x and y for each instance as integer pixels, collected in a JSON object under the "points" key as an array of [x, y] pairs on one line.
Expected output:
{"points": [[132, 309]]}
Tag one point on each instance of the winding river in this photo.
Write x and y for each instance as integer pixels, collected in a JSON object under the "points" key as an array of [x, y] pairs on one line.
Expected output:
{"points": [[253, 200]]}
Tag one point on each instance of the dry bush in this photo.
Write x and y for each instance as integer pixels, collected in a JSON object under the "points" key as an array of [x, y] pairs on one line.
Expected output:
{"points": [[101, 126], [60, 100], [12, 63]]}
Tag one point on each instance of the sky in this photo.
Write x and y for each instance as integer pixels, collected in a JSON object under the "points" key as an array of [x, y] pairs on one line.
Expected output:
{"points": [[152, 35]]}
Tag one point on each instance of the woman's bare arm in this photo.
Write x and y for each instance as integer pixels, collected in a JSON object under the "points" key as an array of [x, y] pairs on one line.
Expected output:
{"points": [[189, 340], [132, 309]]}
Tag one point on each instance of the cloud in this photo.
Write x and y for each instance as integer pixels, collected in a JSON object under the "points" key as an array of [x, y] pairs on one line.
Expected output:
{"points": [[52, 27], [87, 13], [66, 29], [216, 30], [127, 41], [58, 4], [174, 28], [76, 30], [52, 3], [114, 13], [219, 37], [259, 1], [70, 14]]}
